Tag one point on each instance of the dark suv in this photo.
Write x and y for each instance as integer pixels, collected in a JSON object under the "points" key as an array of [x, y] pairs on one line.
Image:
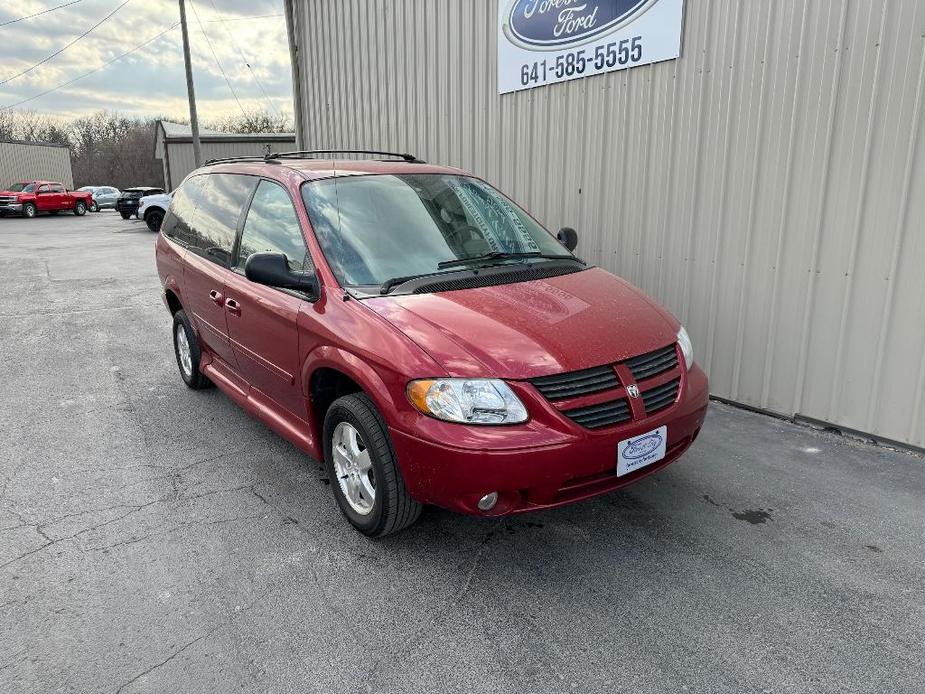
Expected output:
{"points": [[422, 335], [127, 202]]}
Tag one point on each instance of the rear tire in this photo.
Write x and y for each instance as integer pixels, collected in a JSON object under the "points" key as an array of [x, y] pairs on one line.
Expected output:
{"points": [[154, 219], [80, 208], [29, 210], [187, 351], [392, 508]]}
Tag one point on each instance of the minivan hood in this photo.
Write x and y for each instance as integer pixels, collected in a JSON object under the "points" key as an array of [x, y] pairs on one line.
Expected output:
{"points": [[529, 329]]}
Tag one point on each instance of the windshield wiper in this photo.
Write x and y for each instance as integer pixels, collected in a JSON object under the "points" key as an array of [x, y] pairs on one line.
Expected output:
{"points": [[500, 255], [389, 285]]}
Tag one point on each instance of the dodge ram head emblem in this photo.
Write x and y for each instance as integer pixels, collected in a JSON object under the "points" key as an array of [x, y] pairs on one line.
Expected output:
{"points": [[632, 391]]}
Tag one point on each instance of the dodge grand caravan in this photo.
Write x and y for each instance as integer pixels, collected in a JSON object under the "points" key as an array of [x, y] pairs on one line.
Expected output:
{"points": [[421, 334]]}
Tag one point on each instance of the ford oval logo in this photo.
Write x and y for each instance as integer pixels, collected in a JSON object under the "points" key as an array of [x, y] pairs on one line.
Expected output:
{"points": [[640, 448], [551, 24]]}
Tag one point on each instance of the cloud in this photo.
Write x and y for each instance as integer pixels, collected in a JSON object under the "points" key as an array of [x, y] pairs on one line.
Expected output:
{"points": [[150, 81]]}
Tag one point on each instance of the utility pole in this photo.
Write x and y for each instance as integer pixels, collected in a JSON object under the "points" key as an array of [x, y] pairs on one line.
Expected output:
{"points": [[193, 116]]}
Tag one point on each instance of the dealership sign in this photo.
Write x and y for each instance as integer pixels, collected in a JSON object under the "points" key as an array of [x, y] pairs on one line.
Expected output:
{"points": [[546, 41]]}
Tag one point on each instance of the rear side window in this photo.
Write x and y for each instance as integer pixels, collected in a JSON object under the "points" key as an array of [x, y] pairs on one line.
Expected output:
{"points": [[57, 188], [182, 208], [272, 225]]}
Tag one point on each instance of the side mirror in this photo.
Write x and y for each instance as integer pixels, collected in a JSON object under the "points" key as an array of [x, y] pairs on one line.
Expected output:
{"points": [[568, 237], [272, 269]]}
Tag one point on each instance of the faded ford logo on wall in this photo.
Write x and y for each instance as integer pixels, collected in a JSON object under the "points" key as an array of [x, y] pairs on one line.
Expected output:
{"points": [[550, 24]]}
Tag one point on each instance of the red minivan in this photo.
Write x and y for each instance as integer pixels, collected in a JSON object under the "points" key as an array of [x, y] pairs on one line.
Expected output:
{"points": [[421, 334]]}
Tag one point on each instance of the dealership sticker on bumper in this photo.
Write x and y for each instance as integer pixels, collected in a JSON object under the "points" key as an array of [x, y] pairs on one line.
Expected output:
{"points": [[641, 450]]}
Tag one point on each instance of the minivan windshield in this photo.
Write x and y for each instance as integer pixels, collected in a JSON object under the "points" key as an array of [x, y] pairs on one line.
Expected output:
{"points": [[22, 188], [376, 228]]}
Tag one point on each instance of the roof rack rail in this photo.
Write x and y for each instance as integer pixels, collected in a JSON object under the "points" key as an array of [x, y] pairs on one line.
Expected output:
{"points": [[227, 160], [410, 158]]}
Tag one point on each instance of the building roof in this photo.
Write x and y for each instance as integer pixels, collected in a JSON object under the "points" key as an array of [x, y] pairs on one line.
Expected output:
{"points": [[33, 144], [180, 132]]}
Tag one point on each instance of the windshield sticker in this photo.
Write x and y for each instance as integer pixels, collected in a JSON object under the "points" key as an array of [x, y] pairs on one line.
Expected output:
{"points": [[494, 217]]}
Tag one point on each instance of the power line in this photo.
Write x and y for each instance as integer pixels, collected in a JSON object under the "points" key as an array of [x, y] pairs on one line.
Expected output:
{"points": [[243, 57], [64, 48], [91, 72], [215, 55], [39, 14]]}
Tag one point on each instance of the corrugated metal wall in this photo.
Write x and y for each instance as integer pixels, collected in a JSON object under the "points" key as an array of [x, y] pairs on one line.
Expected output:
{"points": [[182, 162], [768, 187], [21, 161]]}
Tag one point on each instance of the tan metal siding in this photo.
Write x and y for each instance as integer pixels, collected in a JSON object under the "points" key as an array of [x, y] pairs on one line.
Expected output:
{"points": [[25, 162], [768, 187]]}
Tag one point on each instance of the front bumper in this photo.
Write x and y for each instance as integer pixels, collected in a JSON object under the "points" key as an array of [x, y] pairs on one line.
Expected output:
{"points": [[572, 464], [11, 207]]}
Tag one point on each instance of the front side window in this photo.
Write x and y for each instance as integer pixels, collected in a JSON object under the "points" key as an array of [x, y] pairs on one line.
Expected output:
{"points": [[272, 226], [43, 189], [375, 228]]}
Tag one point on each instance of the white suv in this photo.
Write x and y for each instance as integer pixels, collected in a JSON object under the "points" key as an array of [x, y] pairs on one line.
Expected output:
{"points": [[152, 209]]}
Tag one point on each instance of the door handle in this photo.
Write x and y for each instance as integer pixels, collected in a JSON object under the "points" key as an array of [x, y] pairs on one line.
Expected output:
{"points": [[217, 297], [233, 307]]}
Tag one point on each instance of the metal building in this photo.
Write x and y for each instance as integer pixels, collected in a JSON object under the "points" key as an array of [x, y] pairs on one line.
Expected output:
{"points": [[29, 161], [174, 147], [768, 185]]}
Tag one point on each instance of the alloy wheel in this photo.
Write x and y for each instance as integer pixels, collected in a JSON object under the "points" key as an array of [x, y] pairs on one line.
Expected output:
{"points": [[354, 468], [184, 352]]}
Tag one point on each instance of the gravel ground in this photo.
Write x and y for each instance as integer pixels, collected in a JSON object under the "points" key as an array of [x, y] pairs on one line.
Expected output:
{"points": [[154, 539]]}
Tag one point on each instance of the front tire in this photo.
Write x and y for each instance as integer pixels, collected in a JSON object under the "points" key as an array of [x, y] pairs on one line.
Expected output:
{"points": [[154, 219], [186, 349], [363, 468], [94, 207], [80, 208], [29, 210]]}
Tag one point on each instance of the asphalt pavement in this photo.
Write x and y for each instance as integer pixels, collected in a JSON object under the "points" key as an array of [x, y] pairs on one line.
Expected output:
{"points": [[155, 539]]}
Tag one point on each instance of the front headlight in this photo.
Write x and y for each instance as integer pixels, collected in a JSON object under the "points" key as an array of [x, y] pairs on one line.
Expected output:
{"points": [[468, 401], [687, 349]]}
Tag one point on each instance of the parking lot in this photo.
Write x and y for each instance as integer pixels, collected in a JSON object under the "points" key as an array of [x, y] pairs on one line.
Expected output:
{"points": [[156, 539]]}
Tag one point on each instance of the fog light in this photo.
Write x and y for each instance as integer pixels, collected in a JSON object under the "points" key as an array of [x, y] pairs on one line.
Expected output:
{"points": [[487, 502]]}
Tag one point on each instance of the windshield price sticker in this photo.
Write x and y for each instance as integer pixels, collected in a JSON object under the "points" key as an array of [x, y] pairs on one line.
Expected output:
{"points": [[546, 41]]}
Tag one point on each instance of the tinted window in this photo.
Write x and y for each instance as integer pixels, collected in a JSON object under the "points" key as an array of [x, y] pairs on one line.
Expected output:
{"points": [[218, 207], [182, 208], [272, 225]]}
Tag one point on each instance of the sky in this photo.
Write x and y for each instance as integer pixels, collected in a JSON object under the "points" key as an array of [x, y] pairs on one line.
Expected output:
{"points": [[151, 80]]}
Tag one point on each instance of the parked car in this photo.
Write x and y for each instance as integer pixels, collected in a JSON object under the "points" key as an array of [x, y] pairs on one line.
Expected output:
{"points": [[127, 202], [152, 208], [104, 197], [423, 335], [29, 198]]}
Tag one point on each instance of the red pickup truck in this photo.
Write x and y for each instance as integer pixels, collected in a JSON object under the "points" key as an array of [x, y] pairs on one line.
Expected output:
{"points": [[31, 197]]}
